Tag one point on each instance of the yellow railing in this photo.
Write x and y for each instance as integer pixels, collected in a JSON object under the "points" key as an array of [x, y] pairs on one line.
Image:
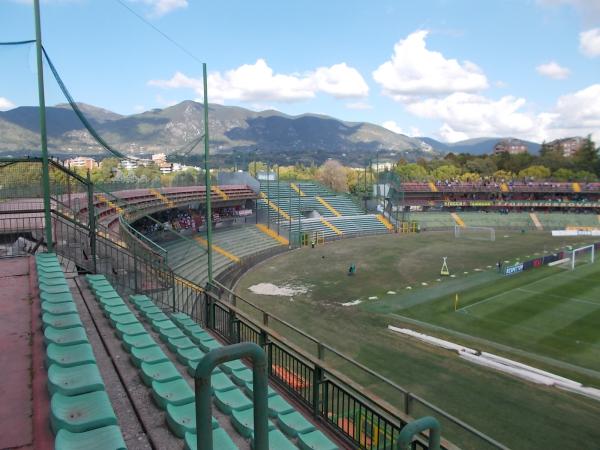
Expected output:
{"points": [[276, 208], [331, 226], [386, 222], [102, 198], [536, 221], [326, 204], [504, 187], [222, 194], [576, 187], [295, 187], [162, 198], [218, 249], [432, 187], [273, 234], [458, 220]]}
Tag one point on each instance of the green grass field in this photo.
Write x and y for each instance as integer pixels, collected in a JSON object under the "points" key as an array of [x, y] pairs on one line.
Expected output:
{"points": [[544, 317]]}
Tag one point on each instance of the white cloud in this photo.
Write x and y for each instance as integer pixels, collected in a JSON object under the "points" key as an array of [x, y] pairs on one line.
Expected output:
{"points": [[589, 42], [392, 126], [162, 7], [501, 84], [359, 105], [589, 9], [467, 116], [553, 70], [258, 83], [6, 104], [415, 70]]}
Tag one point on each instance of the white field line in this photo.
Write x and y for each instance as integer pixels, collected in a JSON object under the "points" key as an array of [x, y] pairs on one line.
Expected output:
{"points": [[485, 300], [572, 299]]}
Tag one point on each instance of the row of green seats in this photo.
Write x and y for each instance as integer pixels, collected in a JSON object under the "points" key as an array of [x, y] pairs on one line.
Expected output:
{"points": [[233, 393], [169, 389], [81, 415]]}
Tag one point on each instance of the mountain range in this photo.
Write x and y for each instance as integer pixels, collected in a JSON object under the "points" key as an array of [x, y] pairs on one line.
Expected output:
{"points": [[235, 132]]}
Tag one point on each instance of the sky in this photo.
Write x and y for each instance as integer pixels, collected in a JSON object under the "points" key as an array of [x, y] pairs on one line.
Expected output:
{"points": [[447, 69]]}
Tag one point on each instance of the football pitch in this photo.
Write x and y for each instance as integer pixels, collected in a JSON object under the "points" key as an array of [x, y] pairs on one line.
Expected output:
{"points": [[546, 317]]}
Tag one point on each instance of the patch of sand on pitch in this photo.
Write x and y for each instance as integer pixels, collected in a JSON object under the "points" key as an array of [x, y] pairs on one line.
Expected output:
{"points": [[352, 303], [284, 291]]}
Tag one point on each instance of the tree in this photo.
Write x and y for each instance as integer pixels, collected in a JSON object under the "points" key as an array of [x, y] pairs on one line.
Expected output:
{"points": [[470, 177], [256, 166], [446, 172], [586, 158], [411, 172], [535, 173], [333, 175], [563, 174], [483, 166], [584, 175], [503, 175]]}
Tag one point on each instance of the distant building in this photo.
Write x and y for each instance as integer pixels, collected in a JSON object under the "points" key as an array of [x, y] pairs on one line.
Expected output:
{"points": [[569, 146], [81, 162], [159, 159], [510, 146], [134, 163]]}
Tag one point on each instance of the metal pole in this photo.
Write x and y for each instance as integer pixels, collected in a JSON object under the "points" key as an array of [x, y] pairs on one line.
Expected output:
{"points": [[290, 213], [92, 221], [207, 177], [268, 199], [278, 198], [43, 132], [299, 223]]}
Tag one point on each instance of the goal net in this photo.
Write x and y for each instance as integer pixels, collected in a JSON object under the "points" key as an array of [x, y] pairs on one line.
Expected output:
{"points": [[582, 255], [477, 233]]}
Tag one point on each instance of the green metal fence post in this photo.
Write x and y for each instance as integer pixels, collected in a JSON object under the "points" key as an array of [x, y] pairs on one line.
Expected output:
{"points": [[207, 178], [416, 427], [278, 203], [202, 382], [268, 199], [92, 220], [43, 131]]}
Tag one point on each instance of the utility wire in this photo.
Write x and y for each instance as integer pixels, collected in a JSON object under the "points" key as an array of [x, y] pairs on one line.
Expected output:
{"points": [[159, 31]]}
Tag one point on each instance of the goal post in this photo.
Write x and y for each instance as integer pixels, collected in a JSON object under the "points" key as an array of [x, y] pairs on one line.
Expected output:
{"points": [[477, 233], [586, 253]]}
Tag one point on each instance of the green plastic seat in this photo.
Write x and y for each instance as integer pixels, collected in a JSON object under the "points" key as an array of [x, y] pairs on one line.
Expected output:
{"points": [[232, 400], [150, 355], [148, 311], [105, 438], [131, 329], [59, 308], [137, 341], [65, 336], [95, 277], [74, 380], [70, 355], [195, 328], [154, 316], [56, 298], [144, 304], [44, 274], [101, 296], [175, 344], [176, 392], [52, 282], [94, 284], [162, 371], [60, 289], [184, 355], [111, 302], [81, 412], [241, 377], [181, 419], [221, 382], [277, 441], [295, 423], [135, 298], [103, 289], [61, 320], [315, 440], [177, 316], [199, 337], [249, 389], [158, 325], [221, 440], [170, 333], [123, 319], [185, 322], [232, 366], [209, 345], [117, 310], [243, 422], [278, 405]]}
